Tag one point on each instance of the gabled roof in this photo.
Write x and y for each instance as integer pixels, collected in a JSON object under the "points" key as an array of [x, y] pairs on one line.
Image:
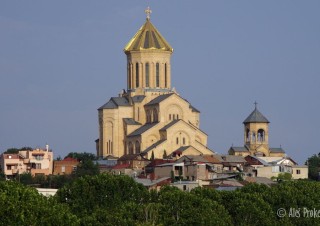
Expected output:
{"points": [[170, 124], [153, 146], [256, 116], [115, 102], [142, 129], [159, 99], [131, 121], [147, 38]]}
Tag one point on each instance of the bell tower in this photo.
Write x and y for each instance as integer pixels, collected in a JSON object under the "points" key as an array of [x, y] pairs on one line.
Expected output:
{"points": [[256, 132], [148, 59]]}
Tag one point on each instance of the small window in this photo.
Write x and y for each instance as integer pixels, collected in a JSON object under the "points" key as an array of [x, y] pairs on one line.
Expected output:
{"points": [[298, 171], [177, 140], [184, 187], [63, 169], [169, 116], [177, 116], [184, 140]]}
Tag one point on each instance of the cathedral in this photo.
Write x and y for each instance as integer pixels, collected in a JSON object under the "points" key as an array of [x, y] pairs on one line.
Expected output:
{"points": [[149, 118]]}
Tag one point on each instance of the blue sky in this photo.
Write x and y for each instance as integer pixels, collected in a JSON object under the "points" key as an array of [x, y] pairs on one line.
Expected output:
{"points": [[61, 60]]}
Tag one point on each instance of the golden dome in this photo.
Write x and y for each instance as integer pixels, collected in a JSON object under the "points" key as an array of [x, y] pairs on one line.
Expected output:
{"points": [[148, 38]]}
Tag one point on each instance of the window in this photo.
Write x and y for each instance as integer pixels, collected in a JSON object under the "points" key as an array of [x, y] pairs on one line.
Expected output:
{"points": [[169, 116], [165, 75], [63, 169], [184, 187], [298, 171], [129, 75], [157, 75], [137, 74], [38, 157], [137, 147], [177, 140], [184, 141], [9, 167], [147, 74]]}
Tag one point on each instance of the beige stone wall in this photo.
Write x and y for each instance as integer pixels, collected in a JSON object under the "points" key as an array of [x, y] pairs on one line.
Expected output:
{"points": [[300, 172]]}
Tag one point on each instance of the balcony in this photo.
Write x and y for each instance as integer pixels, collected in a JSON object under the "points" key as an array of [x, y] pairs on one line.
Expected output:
{"points": [[26, 161], [14, 171]]}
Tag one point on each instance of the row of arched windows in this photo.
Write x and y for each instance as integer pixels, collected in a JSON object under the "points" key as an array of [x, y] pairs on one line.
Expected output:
{"points": [[152, 115], [133, 148], [173, 116], [255, 137], [138, 70]]}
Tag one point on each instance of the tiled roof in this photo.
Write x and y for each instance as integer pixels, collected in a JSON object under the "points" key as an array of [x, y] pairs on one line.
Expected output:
{"points": [[256, 116], [169, 124], [153, 146], [138, 98], [241, 149], [276, 150], [131, 121], [115, 102], [142, 129], [158, 99]]}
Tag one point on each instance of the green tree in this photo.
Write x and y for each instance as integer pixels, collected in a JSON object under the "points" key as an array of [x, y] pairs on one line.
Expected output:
{"points": [[86, 194], [183, 208], [22, 205], [12, 151], [81, 156], [314, 166], [87, 167]]}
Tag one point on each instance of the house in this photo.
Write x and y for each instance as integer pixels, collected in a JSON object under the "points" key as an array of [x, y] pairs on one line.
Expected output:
{"points": [[66, 166], [272, 166], [35, 162]]}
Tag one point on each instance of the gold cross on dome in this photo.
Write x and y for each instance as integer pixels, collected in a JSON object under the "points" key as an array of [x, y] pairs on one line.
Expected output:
{"points": [[148, 12]]}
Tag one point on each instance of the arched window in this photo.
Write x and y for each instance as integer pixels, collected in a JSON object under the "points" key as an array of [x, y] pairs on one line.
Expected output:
{"points": [[177, 140], [137, 74], [137, 147], [261, 135], [248, 135], [169, 116], [147, 74], [130, 147], [184, 141], [155, 115], [174, 117], [129, 76], [253, 136], [148, 116], [165, 75], [157, 75], [177, 116]]}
